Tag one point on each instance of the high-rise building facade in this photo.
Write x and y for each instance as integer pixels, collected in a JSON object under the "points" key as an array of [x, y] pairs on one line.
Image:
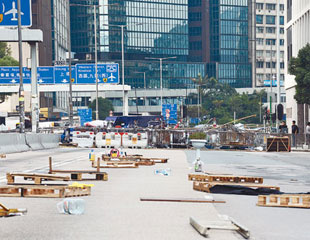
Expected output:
{"points": [[230, 49], [152, 29], [59, 21], [266, 40], [297, 35]]}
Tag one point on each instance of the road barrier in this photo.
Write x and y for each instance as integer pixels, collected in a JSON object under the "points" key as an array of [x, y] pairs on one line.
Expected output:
{"points": [[33, 141], [83, 139], [108, 140], [16, 142]]}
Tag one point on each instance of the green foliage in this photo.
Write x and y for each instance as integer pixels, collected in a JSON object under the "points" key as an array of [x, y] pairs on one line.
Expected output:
{"points": [[8, 61], [104, 108], [221, 101], [300, 67], [198, 135]]}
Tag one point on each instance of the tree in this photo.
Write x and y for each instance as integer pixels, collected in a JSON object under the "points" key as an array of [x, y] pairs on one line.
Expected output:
{"points": [[300, 68], [6, 60], [104, 108]]}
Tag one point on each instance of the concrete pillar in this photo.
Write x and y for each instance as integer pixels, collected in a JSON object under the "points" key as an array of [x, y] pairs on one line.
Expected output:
{"points": [[34, 88], [125, 103]]}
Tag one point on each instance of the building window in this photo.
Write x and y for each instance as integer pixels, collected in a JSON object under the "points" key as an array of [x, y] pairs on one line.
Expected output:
{"points": [[259, 53], [195, 45], [270, 42], [281, 30], [259, 6], [282, 65], [194, 16], [194, 3], [259, 64], [282, 42], [260, 30], [281, 20], [259, 19], [281, 7], [270, 30], [260, 77], [268, 54], [282, 54], [270, 6], [195, 31], [270, 19], [260, 41], [268, 64]]}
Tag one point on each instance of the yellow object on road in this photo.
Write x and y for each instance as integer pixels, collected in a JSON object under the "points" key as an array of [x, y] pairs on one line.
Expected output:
{"points": [[6, 212], [81, 185]]}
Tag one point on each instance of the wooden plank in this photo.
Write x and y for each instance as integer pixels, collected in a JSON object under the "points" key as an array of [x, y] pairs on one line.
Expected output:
{"points": [[284, 200], [225, 178], [184, 200]]}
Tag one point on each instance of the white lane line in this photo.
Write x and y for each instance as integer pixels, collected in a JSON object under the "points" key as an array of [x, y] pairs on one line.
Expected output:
{"points": [[58, 164]]}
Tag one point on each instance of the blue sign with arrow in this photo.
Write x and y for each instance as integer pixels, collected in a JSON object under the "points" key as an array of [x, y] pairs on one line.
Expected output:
{"points": [[170, 113], [81, 74], [10, 75], [61, 74], [107, 73], [46, 75], [9, 14]]}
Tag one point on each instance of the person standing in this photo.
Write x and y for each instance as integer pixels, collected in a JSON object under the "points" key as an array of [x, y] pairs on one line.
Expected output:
{"points": [[308, 133], [283, 127], [295, 131]]}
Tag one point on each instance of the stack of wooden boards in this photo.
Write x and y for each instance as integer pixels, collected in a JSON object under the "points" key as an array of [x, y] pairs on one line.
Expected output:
{"points": [[38, 189], [130, 161], [204, 183]]}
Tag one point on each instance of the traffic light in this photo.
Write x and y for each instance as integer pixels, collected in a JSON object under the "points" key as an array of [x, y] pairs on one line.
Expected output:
{"points": [[184, 111], [280, 111]]}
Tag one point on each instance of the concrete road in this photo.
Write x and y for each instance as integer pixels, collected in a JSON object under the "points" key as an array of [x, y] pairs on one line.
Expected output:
{"points": [[114, 209], [290, 171]]}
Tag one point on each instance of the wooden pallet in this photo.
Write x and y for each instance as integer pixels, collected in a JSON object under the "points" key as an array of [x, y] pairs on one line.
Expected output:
{"points": [[77, 175], [68, 145], [44, 191], [285, 200], [224, 178], [37, 178], [278, 144], [115, 164], [206, 186]]}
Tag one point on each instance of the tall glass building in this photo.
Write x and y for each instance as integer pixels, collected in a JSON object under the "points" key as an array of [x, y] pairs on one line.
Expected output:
{"points": [[230, 36]]}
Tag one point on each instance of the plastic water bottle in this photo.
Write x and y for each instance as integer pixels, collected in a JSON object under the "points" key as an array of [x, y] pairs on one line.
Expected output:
{"points": [[71, 206], [91, 155]]}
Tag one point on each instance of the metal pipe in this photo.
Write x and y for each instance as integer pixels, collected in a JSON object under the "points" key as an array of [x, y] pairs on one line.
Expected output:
{"points": [[278, 61], [21, 98], [70, 67], [161, 85], [96, 63], [123, 71]]}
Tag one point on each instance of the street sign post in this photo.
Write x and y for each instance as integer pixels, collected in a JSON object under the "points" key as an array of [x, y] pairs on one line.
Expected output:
{"points": [[9, 14], [85, 115]]}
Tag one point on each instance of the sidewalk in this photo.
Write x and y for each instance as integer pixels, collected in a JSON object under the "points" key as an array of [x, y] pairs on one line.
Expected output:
{"points": [[114, 210]]}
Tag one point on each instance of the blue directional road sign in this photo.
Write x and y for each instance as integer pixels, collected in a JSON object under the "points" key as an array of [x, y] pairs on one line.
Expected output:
{"points": [[45, 75], [61, 74], [9, 16], [10, 75], [85, 115], [107, 73], [170, 113]]}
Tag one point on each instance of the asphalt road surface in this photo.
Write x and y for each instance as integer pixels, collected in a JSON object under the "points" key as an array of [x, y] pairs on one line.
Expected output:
{"points": [[289, 171]]}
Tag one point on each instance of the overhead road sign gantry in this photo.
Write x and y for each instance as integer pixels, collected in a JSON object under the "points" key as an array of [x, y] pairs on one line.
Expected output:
{"points": [[9, 14]]}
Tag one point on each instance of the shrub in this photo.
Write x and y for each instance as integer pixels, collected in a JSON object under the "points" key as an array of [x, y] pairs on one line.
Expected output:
{"points": [[198, 135]]}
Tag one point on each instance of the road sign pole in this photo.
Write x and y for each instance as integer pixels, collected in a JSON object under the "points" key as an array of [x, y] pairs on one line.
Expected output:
{"points": [[21, 83], [34, 89], [96, 63], [70, 72]]}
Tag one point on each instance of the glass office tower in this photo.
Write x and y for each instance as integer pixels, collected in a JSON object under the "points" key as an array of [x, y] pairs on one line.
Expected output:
{"points": [[230, 35], [153, 29]]}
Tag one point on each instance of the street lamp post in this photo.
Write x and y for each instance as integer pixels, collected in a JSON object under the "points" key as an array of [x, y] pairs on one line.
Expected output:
{"points": [[96, 50], [144, 81], [161, 77], [123, 59]]}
